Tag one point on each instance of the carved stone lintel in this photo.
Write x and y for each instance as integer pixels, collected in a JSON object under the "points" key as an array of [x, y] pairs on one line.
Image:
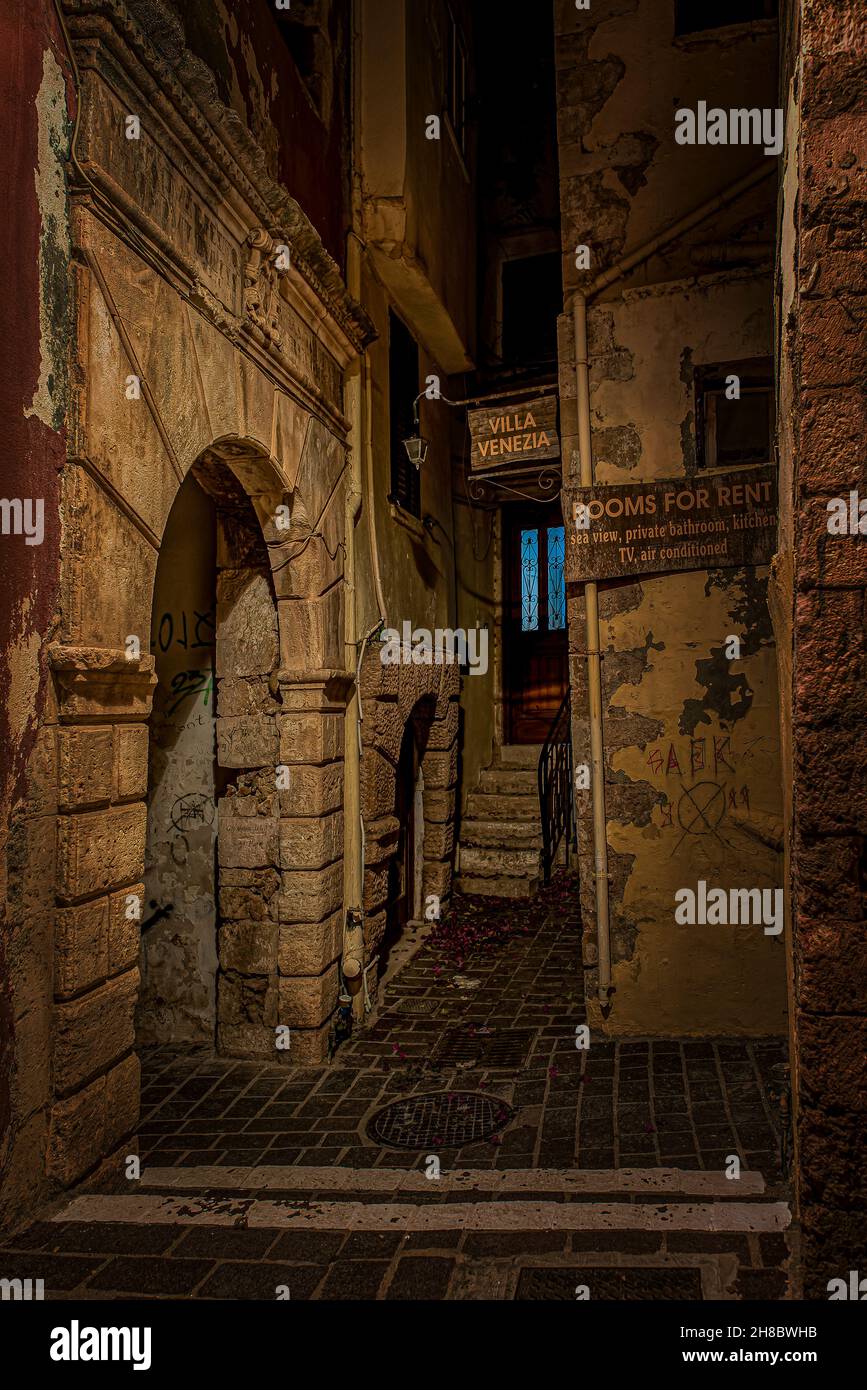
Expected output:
{"points": [[99, 684]]}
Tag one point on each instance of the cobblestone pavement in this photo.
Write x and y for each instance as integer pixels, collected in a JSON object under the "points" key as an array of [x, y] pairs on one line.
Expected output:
{"points": [[258, 1176]]}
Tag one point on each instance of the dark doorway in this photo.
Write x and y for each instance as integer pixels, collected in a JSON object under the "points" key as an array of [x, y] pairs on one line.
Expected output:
{"points": [[402, 904], [535, 671]]}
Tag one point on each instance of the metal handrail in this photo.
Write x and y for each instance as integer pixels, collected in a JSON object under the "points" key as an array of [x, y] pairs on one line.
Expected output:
{"points": [[555, 786]]}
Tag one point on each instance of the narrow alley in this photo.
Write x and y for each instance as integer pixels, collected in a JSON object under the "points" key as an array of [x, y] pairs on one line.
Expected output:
{"points": [[424, 1162]]}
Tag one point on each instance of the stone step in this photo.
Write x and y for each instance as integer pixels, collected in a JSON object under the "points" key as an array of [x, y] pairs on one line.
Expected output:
{"points": [[486, 806], [525, 755], [504, 834], [497, 887], [481, 862], [602, 1182], [509, 781]]}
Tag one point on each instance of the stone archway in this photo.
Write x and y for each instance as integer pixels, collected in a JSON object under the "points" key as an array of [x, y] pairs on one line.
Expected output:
{"points": [[393, 697]]}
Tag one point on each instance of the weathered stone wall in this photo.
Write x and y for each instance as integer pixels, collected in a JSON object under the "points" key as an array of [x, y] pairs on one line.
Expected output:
{"points": [[682, 724], [188, 345], [820, 611], [392, 697]]}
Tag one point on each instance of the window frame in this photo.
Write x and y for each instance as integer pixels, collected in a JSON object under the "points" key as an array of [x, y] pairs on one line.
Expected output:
{"points": [[757, 378], [456, 66]]}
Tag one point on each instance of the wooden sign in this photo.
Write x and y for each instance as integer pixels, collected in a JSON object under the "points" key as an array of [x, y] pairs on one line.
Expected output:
{"points": [[514, 435], [711, 521]]}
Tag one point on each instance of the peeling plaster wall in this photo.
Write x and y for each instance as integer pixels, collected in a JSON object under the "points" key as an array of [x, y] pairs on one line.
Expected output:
{"points": [[692, 764], [179, 951], [35, 322]]}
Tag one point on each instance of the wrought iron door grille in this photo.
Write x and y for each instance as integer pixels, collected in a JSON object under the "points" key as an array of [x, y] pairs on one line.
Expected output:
{"points": [[556, 789]]}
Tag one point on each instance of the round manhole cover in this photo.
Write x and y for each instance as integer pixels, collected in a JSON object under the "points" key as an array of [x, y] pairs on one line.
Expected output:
{"points": [[443, 1120]]}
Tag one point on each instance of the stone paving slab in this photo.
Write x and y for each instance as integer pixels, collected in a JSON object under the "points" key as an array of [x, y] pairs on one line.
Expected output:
{"points": [[520, 1216], [657, 1181]]}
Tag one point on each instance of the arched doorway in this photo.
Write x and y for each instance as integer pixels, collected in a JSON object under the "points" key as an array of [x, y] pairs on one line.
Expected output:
{"points": [[177, 1001], [215, 643]]}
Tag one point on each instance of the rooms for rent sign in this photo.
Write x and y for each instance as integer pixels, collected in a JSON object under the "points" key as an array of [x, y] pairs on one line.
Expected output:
{"points": [[718, 520]]}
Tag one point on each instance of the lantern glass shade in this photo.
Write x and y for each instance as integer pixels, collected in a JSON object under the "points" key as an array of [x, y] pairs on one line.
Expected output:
{"points": [[416, 448]]}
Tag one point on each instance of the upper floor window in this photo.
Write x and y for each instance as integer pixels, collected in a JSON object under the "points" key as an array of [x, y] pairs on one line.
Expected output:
{"points": [[735, 413], [403, 387], [456, 81], [694, 16], [532, 301]]}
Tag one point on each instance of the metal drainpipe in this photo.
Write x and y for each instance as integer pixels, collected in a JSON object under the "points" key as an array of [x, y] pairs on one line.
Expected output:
{"points": [[591, 592], [594, 665]]}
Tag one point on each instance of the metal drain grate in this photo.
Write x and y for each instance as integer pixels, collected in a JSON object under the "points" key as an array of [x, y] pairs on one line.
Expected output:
{"points": [[443, 1120], [507, 1048], [414, 1008], [638, 1282]]}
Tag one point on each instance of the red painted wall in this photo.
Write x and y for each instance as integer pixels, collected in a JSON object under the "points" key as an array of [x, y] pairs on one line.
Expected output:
{"points": [[33, 451]]}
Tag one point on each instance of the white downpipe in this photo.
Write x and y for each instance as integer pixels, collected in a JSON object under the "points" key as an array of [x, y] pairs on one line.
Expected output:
{"points": [[591, 591]]}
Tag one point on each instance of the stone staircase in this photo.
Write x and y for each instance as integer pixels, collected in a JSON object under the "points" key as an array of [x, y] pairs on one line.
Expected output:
{"points": [[501, 833]]}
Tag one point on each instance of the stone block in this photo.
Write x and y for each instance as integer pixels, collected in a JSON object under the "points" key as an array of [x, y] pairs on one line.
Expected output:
{"points": [[310, 896], [249, 1040], [377, 785], [374, 930], [832, 964], [313, 790], [124, 931], [131, 761], [439, 806], [246, 999], [249, 741], [311, 844], [309, 1001], [76, 1134], [311, 632], [439, 841], [249, 894], [831, 684], [250, 948], [443, 732], [310, 738], [309, 1046], [244, 696], [376, 886], [90, 1032], [441, 769], [85, 768], [437, 878], [246, 624], [833, 428], [99, 850], [248, 842], [122, 1098], [823, 560], [81, 947], [308, 948]]}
